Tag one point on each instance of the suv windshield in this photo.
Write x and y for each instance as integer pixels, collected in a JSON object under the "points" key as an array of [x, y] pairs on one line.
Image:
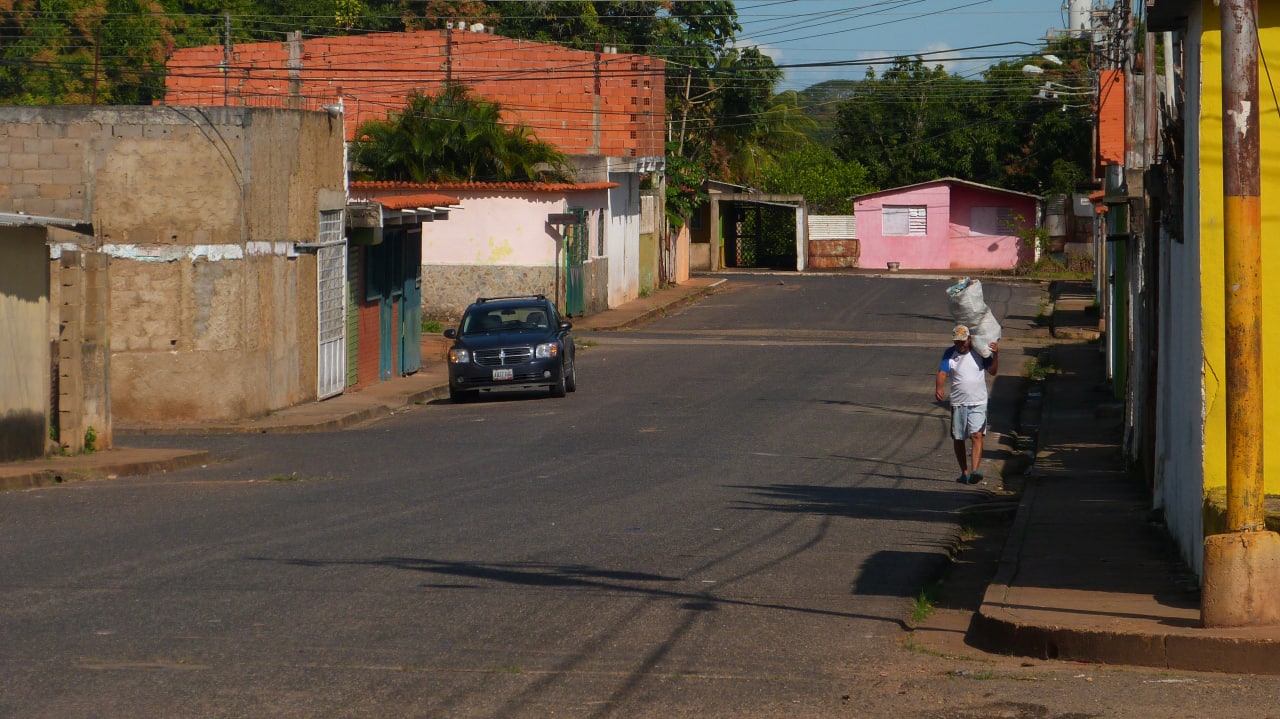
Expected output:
{"points": [[504, 319]]}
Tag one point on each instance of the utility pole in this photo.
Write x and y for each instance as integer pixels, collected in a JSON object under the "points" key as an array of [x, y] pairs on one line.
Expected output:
{"points": [[1242, 567], [226, 59], [295, 70]]}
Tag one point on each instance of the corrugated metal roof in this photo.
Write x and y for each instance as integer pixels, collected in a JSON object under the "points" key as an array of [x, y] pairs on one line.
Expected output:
{"points": [[833, 227], [948, 181], [18, 219]]}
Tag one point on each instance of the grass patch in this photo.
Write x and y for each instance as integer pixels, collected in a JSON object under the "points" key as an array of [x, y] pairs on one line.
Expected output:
{"points": [[924, 603], [432, 327], [1058, 267], [1044, 314], [1039, 368], [926, 651]]}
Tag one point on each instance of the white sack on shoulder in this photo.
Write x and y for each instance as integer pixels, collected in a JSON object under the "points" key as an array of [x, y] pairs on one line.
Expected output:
{"points": [[967, 305], [986, 331]]}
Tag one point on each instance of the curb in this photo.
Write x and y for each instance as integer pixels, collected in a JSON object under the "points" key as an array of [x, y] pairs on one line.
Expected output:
{"points": [[166, 461], [684, 300], [266, 426]]}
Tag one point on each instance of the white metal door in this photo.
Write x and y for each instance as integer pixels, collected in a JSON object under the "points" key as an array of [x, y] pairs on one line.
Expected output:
{"points": [[331, 274]]}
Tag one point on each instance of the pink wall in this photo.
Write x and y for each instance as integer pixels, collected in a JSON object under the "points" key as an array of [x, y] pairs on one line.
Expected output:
{"points": [[999, 252], [913, 252], [949, 242]]}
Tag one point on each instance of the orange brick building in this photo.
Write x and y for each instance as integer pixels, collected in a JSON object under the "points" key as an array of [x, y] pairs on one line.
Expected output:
{"points": [[584, 103]]}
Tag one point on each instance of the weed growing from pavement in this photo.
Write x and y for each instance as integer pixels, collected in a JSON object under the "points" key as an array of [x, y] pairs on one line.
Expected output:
{"points": [[918, 649], [923, 605], [1039, 368], [1044, 313]]}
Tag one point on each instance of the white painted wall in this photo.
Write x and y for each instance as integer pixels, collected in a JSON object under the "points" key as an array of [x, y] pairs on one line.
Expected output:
{"points": [[1179, 487], [24, 321], [24, 357], [496, 230], [622, 239]]}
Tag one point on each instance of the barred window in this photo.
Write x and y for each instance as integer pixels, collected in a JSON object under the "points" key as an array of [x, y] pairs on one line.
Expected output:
{"points": [[904, 220], [991, 221]]}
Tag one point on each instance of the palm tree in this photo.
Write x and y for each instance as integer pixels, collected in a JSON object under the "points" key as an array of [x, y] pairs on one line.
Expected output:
{"points": [[454, 137], [756, 141]]}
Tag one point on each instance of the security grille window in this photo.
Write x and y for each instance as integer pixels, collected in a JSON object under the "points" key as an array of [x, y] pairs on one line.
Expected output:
{"points": [[991, 221], [330, 226], [599, 233], [904, 220]]}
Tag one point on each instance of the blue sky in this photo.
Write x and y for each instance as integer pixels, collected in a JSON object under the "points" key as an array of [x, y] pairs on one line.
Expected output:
{"points": [[817, 31]]}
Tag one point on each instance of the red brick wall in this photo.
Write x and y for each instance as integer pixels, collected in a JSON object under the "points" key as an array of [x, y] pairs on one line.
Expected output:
{"points": [[584, 103]]}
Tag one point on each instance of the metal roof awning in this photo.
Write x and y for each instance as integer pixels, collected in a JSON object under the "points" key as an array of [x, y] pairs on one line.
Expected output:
{"points": [[21, 219]]}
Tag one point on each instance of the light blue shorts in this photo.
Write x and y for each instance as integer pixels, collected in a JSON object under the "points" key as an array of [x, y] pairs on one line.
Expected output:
{"points": [[968, 420]]}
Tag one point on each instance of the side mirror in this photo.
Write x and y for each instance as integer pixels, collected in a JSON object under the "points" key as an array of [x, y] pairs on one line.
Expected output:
{"points": [[451, 333], [566, 326]]}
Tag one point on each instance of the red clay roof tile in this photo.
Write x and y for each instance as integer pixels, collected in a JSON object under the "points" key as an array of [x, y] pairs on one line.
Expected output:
{"points": [[408, 202]]}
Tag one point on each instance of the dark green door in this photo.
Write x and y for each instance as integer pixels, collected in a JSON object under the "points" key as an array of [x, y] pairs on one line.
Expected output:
{"points": [[411, 304], [575, 257]]}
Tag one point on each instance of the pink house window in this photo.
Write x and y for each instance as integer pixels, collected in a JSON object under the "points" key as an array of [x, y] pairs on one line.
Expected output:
{"points": [[991, 221], [904, 220]]}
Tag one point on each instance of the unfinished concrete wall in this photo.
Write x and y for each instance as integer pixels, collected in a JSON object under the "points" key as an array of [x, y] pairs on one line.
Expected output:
{"points": [[24, 360], [201, 211], [83, 419]]}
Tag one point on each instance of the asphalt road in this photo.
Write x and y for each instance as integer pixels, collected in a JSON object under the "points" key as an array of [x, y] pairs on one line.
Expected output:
{"points": [[732, 517]]}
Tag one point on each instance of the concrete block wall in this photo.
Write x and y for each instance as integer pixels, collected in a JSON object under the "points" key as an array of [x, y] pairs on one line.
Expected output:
{"points": [[201, 211], [448, 289], [84, 357]]}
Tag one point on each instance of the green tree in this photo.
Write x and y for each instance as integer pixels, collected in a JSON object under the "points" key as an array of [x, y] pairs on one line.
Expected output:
{"points": [[454, 137], [82, 51], [753, 124], [826, 181], [903, 126], [916, 124]]}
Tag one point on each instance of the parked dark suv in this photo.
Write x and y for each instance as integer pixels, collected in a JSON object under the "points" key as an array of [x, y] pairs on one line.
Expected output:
{"points": [[511, 342]]}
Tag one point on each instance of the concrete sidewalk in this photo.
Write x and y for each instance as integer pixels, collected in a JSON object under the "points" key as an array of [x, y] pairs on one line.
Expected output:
{"points": [[1087, 574]]}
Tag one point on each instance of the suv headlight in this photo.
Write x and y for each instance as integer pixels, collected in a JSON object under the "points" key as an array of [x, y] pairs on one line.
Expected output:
{"points": [[458, 355], [546, 350]]}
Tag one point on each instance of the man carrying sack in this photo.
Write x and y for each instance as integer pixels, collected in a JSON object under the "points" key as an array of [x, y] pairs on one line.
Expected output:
{"points": [[968, 394]]}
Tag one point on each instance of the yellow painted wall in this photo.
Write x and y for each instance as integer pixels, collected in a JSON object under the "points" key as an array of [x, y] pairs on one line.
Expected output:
{"points": [[1211, 243]]}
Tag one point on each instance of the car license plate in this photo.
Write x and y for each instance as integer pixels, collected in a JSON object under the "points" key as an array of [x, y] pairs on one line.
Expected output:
{"points": [[502, 374]]}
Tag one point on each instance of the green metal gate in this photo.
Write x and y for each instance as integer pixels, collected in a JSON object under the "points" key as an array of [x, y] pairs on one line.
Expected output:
{"points": [[576, 246]]}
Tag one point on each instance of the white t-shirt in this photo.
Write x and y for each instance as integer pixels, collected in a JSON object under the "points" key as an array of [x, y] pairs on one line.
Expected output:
{"points": [[968, 374]]}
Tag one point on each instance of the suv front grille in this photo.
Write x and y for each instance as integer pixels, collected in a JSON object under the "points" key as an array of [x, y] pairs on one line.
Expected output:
{"points": [[503, 356]]}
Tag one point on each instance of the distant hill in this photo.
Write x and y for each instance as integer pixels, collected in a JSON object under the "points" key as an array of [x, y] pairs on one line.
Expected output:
{"points": [[820, 102]]}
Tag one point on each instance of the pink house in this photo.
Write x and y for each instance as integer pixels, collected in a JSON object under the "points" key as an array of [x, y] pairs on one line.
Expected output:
{"points": [[945, 224]]}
